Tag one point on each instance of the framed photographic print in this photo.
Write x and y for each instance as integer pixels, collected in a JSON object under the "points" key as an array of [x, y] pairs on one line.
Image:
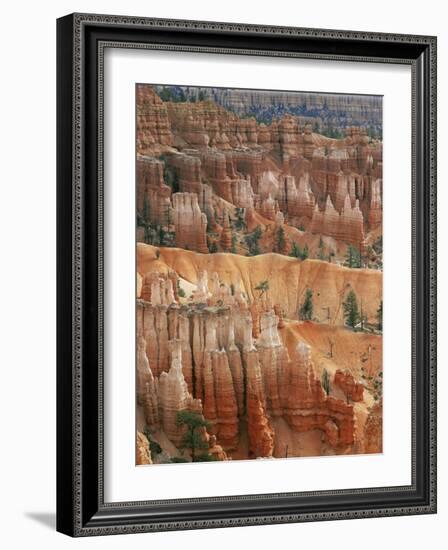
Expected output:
{"points": [[246, 274]]}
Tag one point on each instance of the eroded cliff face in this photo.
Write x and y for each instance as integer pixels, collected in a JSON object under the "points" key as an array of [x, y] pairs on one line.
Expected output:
{"points": [[326, 186], [202, 356], [143, 454]]}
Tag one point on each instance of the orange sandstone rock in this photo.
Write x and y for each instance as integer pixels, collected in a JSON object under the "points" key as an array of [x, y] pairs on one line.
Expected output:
{"points": [[190, 223], [260, 432], [278, 312], [216, 450], [373, 430], [226, 235], [153, 125], [146, 386], [174, 395], [143, 454], [353, 390]]}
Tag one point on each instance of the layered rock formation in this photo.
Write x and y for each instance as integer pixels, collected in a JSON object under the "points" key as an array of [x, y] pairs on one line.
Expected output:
{"points": [[346, 226], [360, 110], [174, 396], [153, 195], [332, 187], [261, 434], [310, 408], [233, 377], [154, 127], [226, 235], [352, 389], [189, 222]]}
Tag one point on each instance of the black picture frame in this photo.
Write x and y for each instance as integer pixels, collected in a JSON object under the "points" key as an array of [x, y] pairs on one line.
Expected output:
{"points": [[81, 510]]}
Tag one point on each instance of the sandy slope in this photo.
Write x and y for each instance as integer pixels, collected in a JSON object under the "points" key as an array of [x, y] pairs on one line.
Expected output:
{"points": [[350, 350], [288, 278]]}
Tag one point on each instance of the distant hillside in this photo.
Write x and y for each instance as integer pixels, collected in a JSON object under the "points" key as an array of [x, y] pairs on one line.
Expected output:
{"points": [[329, 114]]}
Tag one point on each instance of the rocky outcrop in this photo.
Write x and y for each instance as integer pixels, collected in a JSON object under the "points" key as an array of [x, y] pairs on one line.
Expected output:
{"points": [[159, 289], [242, 192], [348, 226], [226, 236], [216, 450], [290, 136], [260, 432], [152, 324], [375, 215], [142, 452], [212, 151], [308, 407], [153, 195], [373, 430], [300, 203], [215, 166], [268, 208], [153, 125], [353, 390], [187, 171], [189, 222], [278, 312], [174, 395], [223, 409], [146, 386], [233, 372]]}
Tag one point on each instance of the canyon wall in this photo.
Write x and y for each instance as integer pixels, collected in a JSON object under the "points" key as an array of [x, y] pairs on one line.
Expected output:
{"points": [[327, 186]]}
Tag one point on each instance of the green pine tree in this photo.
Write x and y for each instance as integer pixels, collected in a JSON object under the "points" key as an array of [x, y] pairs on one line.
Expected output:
{"points": [[240, 221], [296, 251], [193, 439], [353, 257], [253, 241], [161, 235], [212, 246], [351, 311], [165, 94], [280, 241], [306, 309]]}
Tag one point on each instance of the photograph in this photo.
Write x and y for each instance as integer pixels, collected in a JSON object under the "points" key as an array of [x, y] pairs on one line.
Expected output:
{"points": [[259, 274]]}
